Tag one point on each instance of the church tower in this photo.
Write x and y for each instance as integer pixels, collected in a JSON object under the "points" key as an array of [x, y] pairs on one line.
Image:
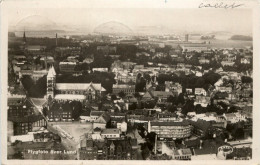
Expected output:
{"points": [[24, 41], [51, 82]]}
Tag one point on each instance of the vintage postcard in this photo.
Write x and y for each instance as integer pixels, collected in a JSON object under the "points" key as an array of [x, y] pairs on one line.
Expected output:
{"points": [[165, 81]]}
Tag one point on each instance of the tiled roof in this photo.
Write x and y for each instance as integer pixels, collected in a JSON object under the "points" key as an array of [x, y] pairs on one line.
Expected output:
{"points": [[110, 131], [28, 119], [78, 86]]}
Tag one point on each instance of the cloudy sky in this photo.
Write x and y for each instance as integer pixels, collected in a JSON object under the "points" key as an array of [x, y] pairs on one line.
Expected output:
{"points": [[139, 20]]}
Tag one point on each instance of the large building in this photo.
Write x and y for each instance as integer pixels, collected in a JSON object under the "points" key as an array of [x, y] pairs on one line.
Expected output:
{"points": [[72, 91], [23, 125], [174, 130], [109, 149], [127, 89]]}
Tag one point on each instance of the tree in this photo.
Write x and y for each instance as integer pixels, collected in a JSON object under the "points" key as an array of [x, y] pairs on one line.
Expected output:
{"points": [[76, 107], [246, 79], [188, 107], [171, 108], [113, 97], [121, 94], [180, 99], [146, 152], [27, 82]]}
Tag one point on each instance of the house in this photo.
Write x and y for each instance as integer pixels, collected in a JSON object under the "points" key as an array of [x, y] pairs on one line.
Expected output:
{"points": [[245, 61], [227, 63], [111, 133], [224, 89], [161, 95], [100, 69], [230, 117], [175, 88], [60, 112], [127, 89], [67, 67], [24, 124], [88, 60], [102, 121], [109, 149], [182, 154], [200, 91], [204, 101]]}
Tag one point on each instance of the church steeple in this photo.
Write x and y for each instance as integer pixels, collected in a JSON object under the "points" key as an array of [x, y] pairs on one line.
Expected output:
{"points": [[51, 82]]}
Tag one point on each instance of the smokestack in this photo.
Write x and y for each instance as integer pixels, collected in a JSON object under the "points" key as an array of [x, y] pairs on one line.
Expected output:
{"points": [[187, 38], [56, 39]]}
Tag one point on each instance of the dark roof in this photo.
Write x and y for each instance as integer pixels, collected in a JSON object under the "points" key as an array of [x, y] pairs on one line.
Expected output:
{"points": [[96, 113], [192, 143], [27, 119], [106, 117], [97, 129], [183, 123]]}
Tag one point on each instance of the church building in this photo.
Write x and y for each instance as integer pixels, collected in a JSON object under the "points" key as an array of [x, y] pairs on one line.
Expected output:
{"points": [[72, 91]]}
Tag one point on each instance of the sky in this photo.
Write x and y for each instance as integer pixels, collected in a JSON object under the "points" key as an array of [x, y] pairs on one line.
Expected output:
{"points": [[137, 19]]}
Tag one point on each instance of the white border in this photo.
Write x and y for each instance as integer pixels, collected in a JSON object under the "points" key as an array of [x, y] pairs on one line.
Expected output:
{"points": [[5, 4]]}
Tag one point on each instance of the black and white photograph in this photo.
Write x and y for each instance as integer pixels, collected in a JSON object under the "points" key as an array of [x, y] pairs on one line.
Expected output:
{"points": [[129, 83]]}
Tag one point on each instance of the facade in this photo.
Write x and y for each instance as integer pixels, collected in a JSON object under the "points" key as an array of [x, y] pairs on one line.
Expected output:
{"points": [[175, 88], [67, 67], [60, 112], [23, 125], [109, 149], [127, 89], [174, 130]]}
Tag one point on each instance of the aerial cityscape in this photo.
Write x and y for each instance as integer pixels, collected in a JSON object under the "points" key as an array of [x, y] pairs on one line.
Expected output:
{"points": [[125, 89]]}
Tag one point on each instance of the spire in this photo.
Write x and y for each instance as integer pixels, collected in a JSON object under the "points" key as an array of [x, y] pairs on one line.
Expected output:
{"points": [[24, 37], [51, 72]]}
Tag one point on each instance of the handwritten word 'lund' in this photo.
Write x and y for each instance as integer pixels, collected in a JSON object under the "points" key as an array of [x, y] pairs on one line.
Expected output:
{"points": [[220, 5]]}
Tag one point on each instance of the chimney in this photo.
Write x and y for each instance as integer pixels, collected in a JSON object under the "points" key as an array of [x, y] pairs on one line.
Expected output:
{"points": [[56, 39]]}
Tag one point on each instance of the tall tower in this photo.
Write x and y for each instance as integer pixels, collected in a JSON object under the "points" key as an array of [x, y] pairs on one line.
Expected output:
{"points": [[24, 41], [24, 38], [187, 38], [56, 39], [51, 82]]}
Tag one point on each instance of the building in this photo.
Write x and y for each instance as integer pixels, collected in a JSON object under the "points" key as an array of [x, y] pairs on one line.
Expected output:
{"points": [[24, 124], [200, 91], [72, 91], [100, 69], [60, 112], [161, 95], [175, 88], [110, 133], [182, 154], [109, 149], [67, 67], [127, 89], [204, 101], [172, 130]]}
